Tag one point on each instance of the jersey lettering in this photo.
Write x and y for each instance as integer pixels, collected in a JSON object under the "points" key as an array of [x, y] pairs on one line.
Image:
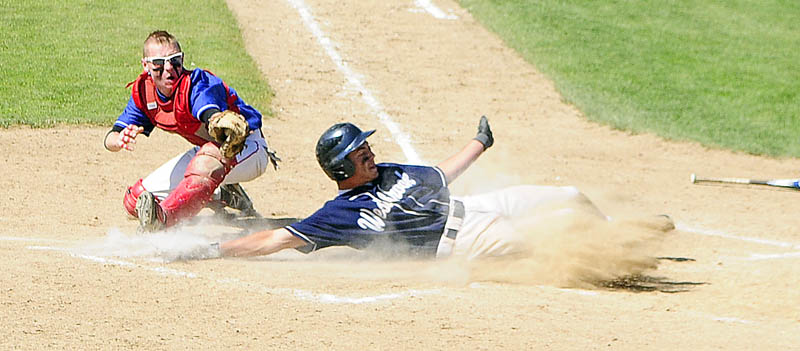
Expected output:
{"points": [[406, 203], [385, 200], [397, 191], [372, 221]]}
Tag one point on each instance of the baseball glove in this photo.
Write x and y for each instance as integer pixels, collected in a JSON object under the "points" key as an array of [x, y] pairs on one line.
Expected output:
{"points": [[230, 130]]}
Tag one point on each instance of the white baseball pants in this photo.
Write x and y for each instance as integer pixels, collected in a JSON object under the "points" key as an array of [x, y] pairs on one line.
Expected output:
{"points": [[252, 162], [487, 228]]}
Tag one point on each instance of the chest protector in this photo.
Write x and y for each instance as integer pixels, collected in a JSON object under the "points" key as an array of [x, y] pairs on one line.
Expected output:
{"points": [[175, 115]]}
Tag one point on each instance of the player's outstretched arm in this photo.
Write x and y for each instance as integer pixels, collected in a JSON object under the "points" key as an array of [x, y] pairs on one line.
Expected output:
{"points": [[124, 139], [261, 243], [458, 163]]}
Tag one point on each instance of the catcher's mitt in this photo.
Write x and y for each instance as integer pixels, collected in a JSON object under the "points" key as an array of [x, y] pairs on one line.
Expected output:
{"points": [[230, 130]]}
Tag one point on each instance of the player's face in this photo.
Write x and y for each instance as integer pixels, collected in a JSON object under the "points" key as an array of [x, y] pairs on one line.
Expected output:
{"points": [[165, 64], [364, 161]]}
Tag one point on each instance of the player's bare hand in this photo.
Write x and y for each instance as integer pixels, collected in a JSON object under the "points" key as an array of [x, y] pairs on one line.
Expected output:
{"points": [[127, 137]]}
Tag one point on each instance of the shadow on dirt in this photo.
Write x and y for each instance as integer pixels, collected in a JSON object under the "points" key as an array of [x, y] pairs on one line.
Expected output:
{"points": [[644, 283]]}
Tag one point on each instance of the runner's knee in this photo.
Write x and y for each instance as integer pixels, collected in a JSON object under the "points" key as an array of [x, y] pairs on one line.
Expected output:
{"points": [[581, 201]]}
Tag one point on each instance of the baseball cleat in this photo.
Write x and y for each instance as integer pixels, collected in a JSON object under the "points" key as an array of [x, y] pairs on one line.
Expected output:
{"points": [[665, 223], [662, 222], [234, 196], [147, 210]]}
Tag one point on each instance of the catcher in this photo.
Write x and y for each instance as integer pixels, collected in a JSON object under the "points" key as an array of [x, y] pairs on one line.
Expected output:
{"points": [[195, 104], [411, 204]]}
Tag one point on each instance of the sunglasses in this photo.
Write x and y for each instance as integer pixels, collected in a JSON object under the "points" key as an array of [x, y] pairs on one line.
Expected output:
{"points": [[176, 60]]}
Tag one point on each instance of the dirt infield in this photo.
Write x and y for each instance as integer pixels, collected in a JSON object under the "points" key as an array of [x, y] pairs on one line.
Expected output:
{"points": [[433, 77]]}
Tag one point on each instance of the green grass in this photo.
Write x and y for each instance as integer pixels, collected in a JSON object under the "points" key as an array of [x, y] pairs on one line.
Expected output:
{"points": [[721, 72], [69, 61]]}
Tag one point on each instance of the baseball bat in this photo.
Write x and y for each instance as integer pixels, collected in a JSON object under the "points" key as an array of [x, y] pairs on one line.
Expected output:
{"points": [[781, 183]]}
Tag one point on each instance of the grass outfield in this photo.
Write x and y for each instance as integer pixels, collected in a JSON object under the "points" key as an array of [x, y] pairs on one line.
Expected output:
{"points": [[69, 61], [721, 72]]}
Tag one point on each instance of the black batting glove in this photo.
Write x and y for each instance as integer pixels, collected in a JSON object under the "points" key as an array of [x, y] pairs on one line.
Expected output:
{"points": [[484, 133]]}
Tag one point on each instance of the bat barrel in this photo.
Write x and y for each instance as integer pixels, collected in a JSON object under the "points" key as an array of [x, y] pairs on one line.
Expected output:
{"points": [[782, 183], [727, 180]]}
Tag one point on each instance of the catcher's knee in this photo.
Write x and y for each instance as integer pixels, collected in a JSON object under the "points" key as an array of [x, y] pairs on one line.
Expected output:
{"points": [[209, 165], [131, 195]]}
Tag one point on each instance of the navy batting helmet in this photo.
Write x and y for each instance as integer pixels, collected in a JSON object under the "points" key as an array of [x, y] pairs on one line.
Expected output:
{"points": [[333, 147]]}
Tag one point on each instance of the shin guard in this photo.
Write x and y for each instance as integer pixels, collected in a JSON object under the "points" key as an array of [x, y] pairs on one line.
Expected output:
{"points": [[131, 195], [205, 173]]}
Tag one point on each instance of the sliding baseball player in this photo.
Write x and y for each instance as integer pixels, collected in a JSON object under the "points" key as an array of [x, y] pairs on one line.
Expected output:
{"points": [[411, 204]]}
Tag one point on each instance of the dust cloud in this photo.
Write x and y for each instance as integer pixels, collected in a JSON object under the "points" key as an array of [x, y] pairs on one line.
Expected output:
{"points": [[571, 251], [576, 251], [184, 242], [165, 246]]}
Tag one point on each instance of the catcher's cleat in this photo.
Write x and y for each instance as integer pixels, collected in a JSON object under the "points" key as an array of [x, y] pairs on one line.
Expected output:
{"points": [[234, 196], [147, 209]]}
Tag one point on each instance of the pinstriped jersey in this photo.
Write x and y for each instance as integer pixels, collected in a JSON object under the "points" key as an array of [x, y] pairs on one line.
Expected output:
{"points": [[406, 204]]}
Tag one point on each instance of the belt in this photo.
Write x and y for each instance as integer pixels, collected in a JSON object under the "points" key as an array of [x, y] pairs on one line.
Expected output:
{"points": [[455, 218]]}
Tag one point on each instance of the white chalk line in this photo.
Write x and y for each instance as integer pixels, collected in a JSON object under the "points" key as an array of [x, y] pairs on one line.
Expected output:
{"points": [[401, 138], [760, 257], [432, 9], [29, 239], [753, 256], [328, 298], [721, 234], [732, 320], [296, 293], [103, 260]]}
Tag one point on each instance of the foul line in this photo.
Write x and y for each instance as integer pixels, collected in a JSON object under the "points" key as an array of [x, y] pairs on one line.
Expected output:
{"points": [[717, 233], [160, 270], [436, 12], [328, 298], [297, 293], [36, 240], [400, 138], [732, 320], [759, 257]]}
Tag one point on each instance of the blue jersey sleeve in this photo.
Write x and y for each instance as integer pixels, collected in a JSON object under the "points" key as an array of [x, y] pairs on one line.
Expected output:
{"points": [[209, 92], [132, 115], [326, 227]]}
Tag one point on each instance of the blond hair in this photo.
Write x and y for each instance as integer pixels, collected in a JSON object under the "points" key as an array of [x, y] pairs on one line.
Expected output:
{"points": [[160, 37]]}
